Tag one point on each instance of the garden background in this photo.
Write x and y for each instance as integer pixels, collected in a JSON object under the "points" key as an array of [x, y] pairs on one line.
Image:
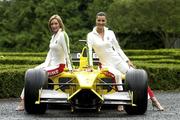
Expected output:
{"points": [[147, 30]]}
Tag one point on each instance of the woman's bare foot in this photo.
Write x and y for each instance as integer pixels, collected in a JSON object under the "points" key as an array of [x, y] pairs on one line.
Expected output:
{"points": [[120, 108], [155, 103], [20, 106]]}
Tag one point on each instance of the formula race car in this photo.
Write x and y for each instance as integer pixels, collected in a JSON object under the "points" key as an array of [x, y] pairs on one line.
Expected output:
{"points": [[83, 89]]}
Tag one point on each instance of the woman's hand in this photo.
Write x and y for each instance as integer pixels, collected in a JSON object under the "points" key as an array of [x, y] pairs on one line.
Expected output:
{"points": [[130, 64], [89, 69]]}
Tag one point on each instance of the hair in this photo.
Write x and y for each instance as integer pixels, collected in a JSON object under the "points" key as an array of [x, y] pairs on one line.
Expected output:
{"points": [[58, 18], [100, 14]]}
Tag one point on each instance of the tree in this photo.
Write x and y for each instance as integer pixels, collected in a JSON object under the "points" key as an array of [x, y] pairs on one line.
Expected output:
{"points": [[25, 23], [160, 17], [97, 6]]}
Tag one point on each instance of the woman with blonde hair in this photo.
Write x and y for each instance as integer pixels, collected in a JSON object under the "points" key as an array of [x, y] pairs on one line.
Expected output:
{"points": [[58, 56]]}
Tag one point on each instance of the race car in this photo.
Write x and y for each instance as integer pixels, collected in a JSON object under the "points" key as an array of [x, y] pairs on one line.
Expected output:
{"points": [[84, 89]]}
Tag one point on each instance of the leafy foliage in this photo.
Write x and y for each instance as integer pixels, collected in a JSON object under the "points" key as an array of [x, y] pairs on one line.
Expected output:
{"points": [[143, 24], [162, 65], [146, 19]]}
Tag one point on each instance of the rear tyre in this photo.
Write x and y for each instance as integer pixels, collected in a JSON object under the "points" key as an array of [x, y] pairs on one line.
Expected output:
{"points": [[34, 80], [136, 81]]}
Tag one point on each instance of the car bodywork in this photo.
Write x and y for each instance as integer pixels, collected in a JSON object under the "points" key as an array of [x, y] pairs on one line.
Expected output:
{"points": [[84, 89]]}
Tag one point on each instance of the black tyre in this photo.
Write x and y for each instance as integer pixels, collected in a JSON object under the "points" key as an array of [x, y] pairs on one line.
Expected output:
{"points": [[34, 80], [136, 81]]}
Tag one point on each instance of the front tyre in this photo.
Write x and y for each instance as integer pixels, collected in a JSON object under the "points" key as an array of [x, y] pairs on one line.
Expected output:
{"points": [[34, 80], [136, 81]]}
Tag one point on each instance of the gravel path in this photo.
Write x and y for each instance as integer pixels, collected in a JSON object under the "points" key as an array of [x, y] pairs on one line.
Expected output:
{"points": [[170, 100]]}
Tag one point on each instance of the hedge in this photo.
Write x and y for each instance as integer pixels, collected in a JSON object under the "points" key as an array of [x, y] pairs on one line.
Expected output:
{"points": [[160, 78], [11, 83], [163, 77], [162, 66]]}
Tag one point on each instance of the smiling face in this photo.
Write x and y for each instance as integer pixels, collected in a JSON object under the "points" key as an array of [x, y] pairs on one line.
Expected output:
{"points": [[100, 22], [55, 26]]}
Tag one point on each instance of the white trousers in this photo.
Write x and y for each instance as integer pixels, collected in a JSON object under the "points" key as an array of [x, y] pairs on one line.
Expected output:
{"points": [[118, 70], [117, 74]]}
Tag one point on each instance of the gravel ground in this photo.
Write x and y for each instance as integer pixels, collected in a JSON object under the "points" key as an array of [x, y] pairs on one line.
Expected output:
{"points": [[170, 100]]}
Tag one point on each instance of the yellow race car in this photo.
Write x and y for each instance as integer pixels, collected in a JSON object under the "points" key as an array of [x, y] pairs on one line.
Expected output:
{"points": [[83, 89]]}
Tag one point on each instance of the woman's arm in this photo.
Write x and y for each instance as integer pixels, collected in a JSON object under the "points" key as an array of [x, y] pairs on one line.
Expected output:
{"points": [[118, 49], [89, 45], [65, 45]]}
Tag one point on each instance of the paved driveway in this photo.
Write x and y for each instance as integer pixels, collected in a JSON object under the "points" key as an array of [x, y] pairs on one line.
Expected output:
{"points": [[170, 100]]}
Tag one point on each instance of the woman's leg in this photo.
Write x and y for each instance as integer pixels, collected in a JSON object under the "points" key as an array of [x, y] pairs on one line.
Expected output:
{"points": [[150, 92], [118, 79], [53, 70], [154, 100], [20, 106], [123, 67]]}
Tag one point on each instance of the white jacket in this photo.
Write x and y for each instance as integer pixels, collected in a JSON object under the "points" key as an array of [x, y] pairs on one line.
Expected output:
{"points": [[107, 49], [59, 52]]}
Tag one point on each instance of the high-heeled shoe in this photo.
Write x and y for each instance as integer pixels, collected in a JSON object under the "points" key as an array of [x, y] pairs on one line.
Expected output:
{"points": [[156, 104]]}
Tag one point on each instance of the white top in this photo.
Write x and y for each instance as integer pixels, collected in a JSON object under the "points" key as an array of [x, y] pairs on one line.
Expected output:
{"points": [[59, 51], [107, 49]]}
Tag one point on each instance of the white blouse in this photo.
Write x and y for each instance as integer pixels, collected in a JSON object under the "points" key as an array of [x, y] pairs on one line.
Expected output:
{"points": [[59, 52], [107, 49]]}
